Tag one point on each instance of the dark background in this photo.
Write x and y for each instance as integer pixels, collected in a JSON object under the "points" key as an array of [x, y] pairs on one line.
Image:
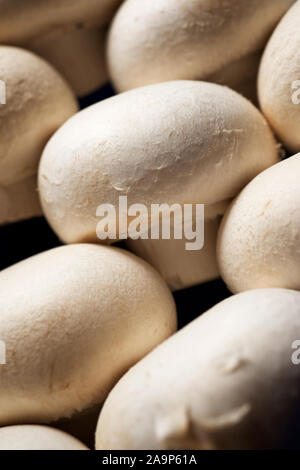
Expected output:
{"points": [[21, 240]]}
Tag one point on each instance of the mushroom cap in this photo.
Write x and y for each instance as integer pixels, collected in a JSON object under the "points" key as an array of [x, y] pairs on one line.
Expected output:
{"points": [[226, 381], [34, 437], [176, 142], [279, 80], [38, 101], [259, 239], [23, 20], [73, 320], [172, 40]]}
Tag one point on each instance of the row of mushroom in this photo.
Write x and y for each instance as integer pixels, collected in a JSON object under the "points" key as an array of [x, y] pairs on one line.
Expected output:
{"points": [[206, 111]]}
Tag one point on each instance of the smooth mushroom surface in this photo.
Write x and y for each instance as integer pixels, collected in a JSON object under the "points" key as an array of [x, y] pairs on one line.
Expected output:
{"points": [[195, 39], [196, 142], [279, 80], [34, 437], [38, 101], [178, 142], [226, 381], [259, 239], [74, 319]]}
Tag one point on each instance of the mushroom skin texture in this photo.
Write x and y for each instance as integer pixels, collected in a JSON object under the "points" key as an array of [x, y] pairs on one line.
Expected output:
{"points": [[195, 143], [172, 40], [67, 33], [74, 319], [38, 101], [259, 239], [279, 80], [34, 437], [226, 381], [179, 267]]}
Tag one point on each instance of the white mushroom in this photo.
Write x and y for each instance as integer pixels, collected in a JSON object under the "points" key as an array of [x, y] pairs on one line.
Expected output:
{"points": [[279, 80], [34, 437], [69, 34], [259, 239], [74, 319], [195, 39], [169, 143], [226, 381], [37, 102]]}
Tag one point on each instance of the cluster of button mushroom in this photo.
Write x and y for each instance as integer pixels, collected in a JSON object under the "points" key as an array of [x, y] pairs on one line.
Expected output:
{"points": [[206, 111]]}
